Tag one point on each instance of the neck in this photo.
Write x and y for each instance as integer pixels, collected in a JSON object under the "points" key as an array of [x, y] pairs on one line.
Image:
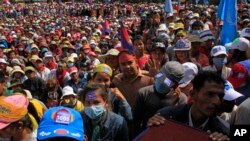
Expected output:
{"points": [[197, 118]]}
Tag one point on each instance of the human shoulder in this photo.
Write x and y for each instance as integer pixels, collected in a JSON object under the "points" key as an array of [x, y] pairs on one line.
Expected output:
{"points": [[175, 112]]}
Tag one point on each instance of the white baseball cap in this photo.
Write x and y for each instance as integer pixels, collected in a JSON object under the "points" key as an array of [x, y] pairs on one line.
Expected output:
{"points": [[191, 70], [240, 43], [218, 50], [245, 32], [230, 93]]}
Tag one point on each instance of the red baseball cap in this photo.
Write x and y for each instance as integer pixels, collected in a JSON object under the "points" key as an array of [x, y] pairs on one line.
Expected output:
{"points": [[238, 76]]}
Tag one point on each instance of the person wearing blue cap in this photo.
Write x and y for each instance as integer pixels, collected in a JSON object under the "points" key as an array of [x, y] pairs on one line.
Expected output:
{"points": [[61, 123]]}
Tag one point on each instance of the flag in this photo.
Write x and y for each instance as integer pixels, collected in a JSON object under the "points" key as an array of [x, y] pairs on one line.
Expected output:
{"points": [[168, 6], [7, 2], [221, 10], [197, 1], [105, 28], [205, 2], [229, 28], [126, 41]]}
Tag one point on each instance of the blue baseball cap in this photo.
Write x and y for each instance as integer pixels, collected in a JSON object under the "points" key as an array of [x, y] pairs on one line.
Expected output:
{"points": [[61, 122]]}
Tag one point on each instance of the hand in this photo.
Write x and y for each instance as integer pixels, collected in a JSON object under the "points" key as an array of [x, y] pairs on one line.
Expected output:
{"points": [[157, 119], [154, 67], [216, 136], [117, 93]]}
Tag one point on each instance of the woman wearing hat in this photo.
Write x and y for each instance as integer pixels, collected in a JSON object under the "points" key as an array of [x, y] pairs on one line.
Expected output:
{"points": [[219, 60], [18, 73], [182, 51]]}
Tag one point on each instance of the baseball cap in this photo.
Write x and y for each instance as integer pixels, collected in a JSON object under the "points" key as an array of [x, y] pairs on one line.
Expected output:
{"points": [[245, 32], [218, 50], [194, 38], [206, 35], [13, 108], [61, 122], [48, 54], [67, 90], [182, 45], [240, 43], [73, 70], [238, 76], [173, 70], [103, 68], [190, 71], [230, 93], [158, 45]]}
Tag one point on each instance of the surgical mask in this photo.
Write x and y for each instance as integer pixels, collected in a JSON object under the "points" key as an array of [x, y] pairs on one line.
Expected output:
{"points": [[94, 112], [20, 49], [219, 61], [70, 64], [196, 32]]}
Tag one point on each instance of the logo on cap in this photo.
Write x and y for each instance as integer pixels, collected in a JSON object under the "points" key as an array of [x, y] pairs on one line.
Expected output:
{"points": [[91, 95], [63, 116], [247, 30], [181, 44]]}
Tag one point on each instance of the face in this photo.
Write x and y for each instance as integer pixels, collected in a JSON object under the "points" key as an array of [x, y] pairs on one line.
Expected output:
{"points": [[12, 55], [157, 54], [182, 56], [17, 75], [186, 90], [2, 66], [129, 68], [8, 131], [74, 76], [30, 74], [208, 99], [102, 78], [139, 47], [112, 61]]}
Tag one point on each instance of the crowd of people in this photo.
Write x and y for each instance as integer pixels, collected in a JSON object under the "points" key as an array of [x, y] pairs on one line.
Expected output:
{"points": [[66, 73]]}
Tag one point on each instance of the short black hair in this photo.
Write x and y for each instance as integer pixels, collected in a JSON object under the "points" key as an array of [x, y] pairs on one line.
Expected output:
{"points": [[206, 76]]}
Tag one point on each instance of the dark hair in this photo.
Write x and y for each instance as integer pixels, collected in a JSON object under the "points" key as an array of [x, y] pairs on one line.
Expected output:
{"points": [[93, 87], [197, 24], [206, 76], [138, 37], [2, 77]]}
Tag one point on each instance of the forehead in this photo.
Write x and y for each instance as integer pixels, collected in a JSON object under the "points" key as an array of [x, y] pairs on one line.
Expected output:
{"points": [[93, 96], [212, 87]]}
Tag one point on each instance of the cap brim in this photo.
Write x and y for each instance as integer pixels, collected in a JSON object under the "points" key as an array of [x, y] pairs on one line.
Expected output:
{"points": [[219, 53], [231, 95], [184, 84], [3, 125], [47, 132], [230, 46]]}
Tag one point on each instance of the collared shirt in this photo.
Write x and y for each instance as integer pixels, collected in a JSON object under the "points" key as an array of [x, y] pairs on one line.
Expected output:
{"points": [[129, 88], [190, 121]]}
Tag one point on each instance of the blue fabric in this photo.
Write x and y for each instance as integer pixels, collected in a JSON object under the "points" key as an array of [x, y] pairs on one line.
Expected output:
{"points": [[168, 6], [126, 41], [221, 10], [229, 28]]}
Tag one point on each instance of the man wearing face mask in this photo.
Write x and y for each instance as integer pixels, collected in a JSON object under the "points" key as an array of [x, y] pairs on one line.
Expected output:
{"points": [[164, 92], [219, 59], [69, 99]]}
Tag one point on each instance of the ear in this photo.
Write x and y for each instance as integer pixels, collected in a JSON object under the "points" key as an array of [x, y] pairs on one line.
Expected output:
{"points": [[19, 126]]}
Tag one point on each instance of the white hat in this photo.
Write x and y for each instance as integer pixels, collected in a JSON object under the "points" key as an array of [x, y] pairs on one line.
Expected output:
{"points": [[162, 27], [67, 90], [245, 32], [74, 55], [28, 94], [239, 43], [48, 54], [218, 50], [230, 93], [2, 60], [191, 70]]}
